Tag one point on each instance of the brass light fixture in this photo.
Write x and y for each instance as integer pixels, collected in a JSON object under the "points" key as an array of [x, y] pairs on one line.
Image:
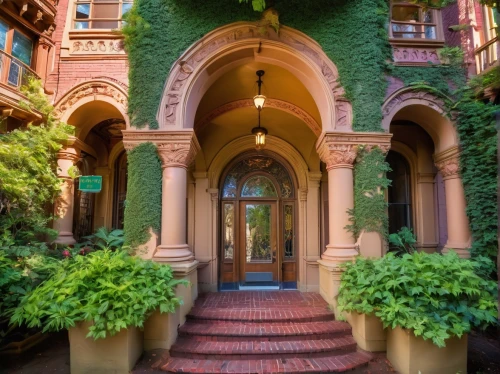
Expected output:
{"points": [[259, 101]]}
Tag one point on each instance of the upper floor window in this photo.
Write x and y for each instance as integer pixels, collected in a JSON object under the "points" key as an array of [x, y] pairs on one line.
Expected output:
{"points": [[490, 23], [100, 14], [17, 55], [411, 21]]}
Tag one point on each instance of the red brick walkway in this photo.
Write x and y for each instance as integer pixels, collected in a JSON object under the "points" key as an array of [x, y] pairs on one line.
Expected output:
{"points": [[263, 332]]}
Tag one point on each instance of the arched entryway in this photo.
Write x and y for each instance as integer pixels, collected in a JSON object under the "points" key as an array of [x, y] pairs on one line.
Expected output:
{"points": [[258, 220]]}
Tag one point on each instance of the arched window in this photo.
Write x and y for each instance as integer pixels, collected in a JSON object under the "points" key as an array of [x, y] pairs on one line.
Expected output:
{"points": [[399, 193]]}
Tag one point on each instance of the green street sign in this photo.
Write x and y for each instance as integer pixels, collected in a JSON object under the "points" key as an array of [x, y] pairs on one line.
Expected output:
{"points": [[90, 183]]}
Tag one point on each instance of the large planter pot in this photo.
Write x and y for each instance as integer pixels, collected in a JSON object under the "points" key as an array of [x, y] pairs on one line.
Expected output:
{"points": [[409, 354], [115, 354], [368, 332]]}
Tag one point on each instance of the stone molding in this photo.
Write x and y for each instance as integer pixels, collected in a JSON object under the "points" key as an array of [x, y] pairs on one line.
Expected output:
{"points": [[97, 47], [94, 88], [339, 150], [448, 163], [175, 148], [71, 154], [196, 58], [426, 178], [270, 103]]}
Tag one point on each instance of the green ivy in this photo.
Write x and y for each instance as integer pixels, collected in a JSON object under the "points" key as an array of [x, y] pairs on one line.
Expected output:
{"points": [[436, 296], [370, 183], [159, 31], [110, 289], [143, 204]]}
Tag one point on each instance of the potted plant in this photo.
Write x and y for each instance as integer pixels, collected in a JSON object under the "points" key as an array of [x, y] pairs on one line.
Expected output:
{"points": [[429, 303], [103, 298]]}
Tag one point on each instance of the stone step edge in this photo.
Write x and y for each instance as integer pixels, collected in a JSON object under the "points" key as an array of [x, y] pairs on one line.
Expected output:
{"points": [[190, 348], [333, 364], [215, 317]]}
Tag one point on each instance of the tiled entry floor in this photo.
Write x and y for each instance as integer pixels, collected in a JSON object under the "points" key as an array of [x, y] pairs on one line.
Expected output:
{"points": [[263, 332]]}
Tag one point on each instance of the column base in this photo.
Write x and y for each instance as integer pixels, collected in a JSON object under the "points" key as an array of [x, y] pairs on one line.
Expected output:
{"points": [[173, 254], [340, 253], [160, 330], [65, 238], [461, 252], [329, 282]]}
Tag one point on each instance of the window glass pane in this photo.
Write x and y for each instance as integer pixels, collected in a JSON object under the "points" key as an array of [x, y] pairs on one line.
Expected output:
{"points": [[14, 73], [399, 192], [82, 11], [104, 24], [259, 186], [105, 11], [258, 233], [126, 7], [81, 25], [22, 48], [3, 34], [405, 13], [228, 223], [288, 231]]}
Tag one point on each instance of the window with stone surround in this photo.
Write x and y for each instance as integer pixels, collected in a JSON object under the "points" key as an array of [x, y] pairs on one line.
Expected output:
{"points": [[487, 45], [100, 14], [412, 22]]}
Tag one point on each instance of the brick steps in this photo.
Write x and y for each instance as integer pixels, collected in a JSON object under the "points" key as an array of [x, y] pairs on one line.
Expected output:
{"points": [[335, 364], [261, 350], [263, 332], [215, 315]]}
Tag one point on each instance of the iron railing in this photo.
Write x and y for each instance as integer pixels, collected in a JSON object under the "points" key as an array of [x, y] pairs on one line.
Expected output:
{"points": [[14, 72], [487, 55]]}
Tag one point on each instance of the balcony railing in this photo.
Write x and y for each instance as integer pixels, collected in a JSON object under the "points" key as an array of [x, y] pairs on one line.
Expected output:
{"points": [[487, 55], [13, 72], [413, 30]]}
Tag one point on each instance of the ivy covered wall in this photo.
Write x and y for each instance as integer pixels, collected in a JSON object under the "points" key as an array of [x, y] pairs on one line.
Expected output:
{"points": [[352, 34]]}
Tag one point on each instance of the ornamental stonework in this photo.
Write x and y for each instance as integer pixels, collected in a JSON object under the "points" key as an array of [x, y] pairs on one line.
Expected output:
{"points": [[338, 155], [415, 56], [201, 52], [449, 168], [97, 47], [176, 154], [431, 100]]}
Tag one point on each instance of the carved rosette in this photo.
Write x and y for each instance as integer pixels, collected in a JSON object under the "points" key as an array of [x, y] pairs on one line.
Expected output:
{"points": [[449, 168], [176, 154]]}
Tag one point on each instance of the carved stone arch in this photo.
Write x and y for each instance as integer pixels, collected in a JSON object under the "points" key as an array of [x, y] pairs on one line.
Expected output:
{"points": [[107, 90], [427, 110], [188, 79], [247, 143]]}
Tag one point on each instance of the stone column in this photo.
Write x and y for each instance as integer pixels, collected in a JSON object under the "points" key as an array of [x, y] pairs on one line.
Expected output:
{"points": [[177, 152], [339, 160], [459, 236], [64, 204]]}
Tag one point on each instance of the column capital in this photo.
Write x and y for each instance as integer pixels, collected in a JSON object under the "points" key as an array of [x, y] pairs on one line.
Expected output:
{"points": [[448, 163], [339, 149], [69, 153], [176, 148]]}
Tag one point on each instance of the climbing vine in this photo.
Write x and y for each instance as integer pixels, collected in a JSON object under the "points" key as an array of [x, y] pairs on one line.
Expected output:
{"points": [[370, 183], [143, 204]]}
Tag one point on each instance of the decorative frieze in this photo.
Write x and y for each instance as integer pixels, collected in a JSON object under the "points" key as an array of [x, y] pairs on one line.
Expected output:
{"points": [[173, 154], [448, 163], [97, 47], [413, 55]]}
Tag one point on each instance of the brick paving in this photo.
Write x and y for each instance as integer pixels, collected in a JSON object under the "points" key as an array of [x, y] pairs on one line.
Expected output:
{"points": [[263, 332]]}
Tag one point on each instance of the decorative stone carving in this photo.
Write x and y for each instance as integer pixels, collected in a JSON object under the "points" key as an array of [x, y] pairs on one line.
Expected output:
{"points": [[176, 148], [411, 55], [85, 46], [408, 94], [449, 168], [270, 103], [340, 149], [91, 89], [200, 52]]}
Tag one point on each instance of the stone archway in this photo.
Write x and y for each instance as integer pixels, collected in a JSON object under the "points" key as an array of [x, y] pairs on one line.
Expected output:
{"points": [[190, 77]]}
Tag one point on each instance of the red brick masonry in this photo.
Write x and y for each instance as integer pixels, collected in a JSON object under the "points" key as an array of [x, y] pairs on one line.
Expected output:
{"points": [[263, 332]]}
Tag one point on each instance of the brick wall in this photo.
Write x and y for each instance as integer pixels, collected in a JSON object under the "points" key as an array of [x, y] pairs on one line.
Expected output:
{"points": [[68, 73]]}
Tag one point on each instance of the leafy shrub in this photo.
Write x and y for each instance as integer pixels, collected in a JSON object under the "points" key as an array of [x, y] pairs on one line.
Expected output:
{"points": [[435, 296], [104, 239], [403, 241], [111, 289]]}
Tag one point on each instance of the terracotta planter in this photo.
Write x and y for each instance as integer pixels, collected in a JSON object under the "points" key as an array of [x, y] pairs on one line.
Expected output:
{"points": [[368, 332], [409, 354], [116, 354]]}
